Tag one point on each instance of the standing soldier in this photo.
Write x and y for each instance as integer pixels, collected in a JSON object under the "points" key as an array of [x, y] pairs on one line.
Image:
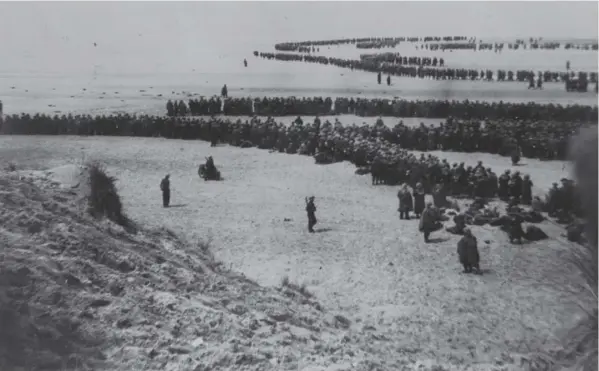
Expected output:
{"points": [[515, 154], [405, 202], [311, 210], [245, 63], [418, 200], [527, 190], [429, 221], [165, 187], [516, 186], [504, 181], [388, 80], [224, 92], [468, 252], [378, 78], [531, 80]]}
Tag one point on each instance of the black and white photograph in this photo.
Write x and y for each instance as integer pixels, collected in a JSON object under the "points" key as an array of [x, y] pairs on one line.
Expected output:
{"points": [[298, 185]]}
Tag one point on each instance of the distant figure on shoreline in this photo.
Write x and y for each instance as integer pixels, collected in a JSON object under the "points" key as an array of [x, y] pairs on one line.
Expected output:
{"points": [[568, 66], [245, 62], [389, 80], [165, 187], [378, 78], [224, 92], [531, 81]]}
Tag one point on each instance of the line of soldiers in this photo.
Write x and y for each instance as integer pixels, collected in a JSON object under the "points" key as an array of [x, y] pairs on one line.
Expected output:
{"points": [[377, 44], [465, 110], [312, 106], [293, 46], [544, 140], [397, 58], [443, 43], [426, 72]]}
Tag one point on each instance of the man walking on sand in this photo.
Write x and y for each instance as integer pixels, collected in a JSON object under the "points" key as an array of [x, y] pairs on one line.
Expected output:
{"points": [[165, 187]]}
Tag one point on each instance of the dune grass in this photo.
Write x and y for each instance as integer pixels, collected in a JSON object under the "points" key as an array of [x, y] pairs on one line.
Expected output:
{"points": [[103, 199]]}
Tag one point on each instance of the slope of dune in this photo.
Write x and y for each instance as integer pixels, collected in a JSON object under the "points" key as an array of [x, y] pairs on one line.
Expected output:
{"points": [[77, 293]]}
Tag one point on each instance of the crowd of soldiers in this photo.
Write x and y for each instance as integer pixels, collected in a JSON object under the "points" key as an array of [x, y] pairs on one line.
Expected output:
{"points": [[373, 148], [498, 47], [377, 44], [544, 140], [294, 46], [465, 110], [397, 58], [440, 43], [429, 72], [468, 110]]}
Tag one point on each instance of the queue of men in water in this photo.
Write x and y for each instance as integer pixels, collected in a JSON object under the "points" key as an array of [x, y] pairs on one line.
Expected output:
{"points": [[313, 106], [397, 58], [376, 42], [437, 42], [429, 72]]}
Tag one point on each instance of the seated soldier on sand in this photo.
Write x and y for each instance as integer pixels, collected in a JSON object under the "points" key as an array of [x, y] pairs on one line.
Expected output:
{"points": [[460, 225]]}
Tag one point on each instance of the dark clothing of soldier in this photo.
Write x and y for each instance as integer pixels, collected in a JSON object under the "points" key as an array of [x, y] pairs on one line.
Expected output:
{"points": [[311, 210], [165, 187], [527, 191]]}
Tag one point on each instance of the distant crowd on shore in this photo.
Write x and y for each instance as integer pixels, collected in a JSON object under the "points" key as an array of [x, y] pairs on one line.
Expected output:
{"points": [[323, 106]]}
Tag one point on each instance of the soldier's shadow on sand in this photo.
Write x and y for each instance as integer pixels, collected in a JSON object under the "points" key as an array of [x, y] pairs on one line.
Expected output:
{"points": [[322, 230], [177, 205], [483, 272], [438, 239]]}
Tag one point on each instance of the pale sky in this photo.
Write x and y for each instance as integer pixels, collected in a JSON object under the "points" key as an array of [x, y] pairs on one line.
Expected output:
{"points": [[58, 37], [30, 24]]}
